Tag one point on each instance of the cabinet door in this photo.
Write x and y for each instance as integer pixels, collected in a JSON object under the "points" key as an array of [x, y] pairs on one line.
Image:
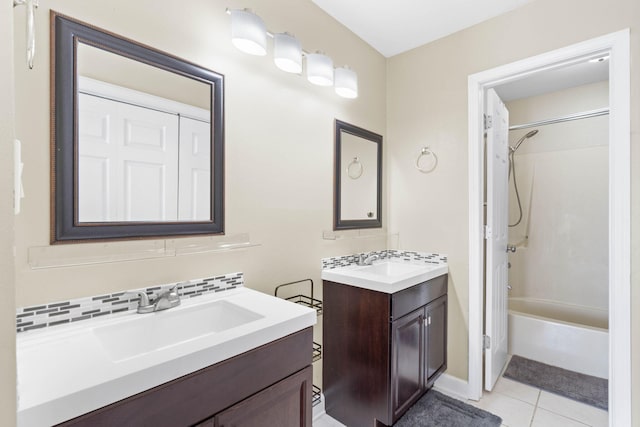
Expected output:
{"points": [[406, 360], [436, 338], [284, 404]]}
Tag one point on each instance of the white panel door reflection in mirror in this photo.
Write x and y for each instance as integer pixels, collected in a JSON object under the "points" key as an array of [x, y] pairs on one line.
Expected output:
{"points": [[149, 155], [359, 166], [128, 166], [195, 170]]}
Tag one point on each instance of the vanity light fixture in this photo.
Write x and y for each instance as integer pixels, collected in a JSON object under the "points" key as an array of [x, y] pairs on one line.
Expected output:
{"points": [[346, 82], [319, 69], [249, 34], [287, 53]]}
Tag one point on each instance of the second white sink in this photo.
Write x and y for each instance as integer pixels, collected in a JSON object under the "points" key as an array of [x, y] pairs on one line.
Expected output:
{"points": [[149, 332], [390, 269], [385, 276]]}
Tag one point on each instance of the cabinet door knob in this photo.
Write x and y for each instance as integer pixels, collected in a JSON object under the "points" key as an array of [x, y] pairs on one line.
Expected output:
{"points": [[427, 321]]}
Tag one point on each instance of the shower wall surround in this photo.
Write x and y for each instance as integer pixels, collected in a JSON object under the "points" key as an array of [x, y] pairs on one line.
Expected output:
{"points": [[562, 172], [75, 310]]}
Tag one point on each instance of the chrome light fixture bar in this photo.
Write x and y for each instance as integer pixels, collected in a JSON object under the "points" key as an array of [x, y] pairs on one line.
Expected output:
{"points": [[249, 34]]}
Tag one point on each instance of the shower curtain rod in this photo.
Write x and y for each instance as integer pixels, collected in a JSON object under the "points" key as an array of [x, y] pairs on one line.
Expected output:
{"points": [[568, 118]]}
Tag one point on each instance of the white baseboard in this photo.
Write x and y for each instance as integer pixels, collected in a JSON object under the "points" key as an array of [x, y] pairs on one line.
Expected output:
{"points": [[452, 386]]}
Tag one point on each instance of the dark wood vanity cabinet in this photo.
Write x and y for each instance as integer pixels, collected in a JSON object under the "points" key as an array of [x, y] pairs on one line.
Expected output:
{"points": [[267, 386], [382, 351], [418, 353]]}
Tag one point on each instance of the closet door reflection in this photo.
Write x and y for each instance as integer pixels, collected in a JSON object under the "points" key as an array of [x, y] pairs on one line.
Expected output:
{"points": [[128, 169], [141, 158], [194, 170]]}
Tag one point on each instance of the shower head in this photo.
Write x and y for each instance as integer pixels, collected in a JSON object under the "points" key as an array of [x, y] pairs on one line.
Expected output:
{"points": [[521, 140]]}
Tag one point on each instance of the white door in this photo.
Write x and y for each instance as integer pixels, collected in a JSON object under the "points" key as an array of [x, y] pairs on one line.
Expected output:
{"points": [[97, 151], [128, 162], [496, 238], [149, 161], [194, 203]]}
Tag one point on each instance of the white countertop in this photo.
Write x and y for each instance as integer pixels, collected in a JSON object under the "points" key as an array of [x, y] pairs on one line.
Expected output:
{"points": [[393, 281], [64, 371]]}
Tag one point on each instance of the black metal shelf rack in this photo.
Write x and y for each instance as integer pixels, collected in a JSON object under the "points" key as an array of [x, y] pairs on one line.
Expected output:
{"points": [[309, 301]]}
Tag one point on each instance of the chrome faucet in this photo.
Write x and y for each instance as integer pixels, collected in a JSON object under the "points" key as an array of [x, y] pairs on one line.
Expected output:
{"points": [[367, 260], [164, 300]]}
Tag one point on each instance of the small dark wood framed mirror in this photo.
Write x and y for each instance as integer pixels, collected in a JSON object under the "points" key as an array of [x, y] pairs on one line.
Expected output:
{"points": [[357, 178], [137, 139]]}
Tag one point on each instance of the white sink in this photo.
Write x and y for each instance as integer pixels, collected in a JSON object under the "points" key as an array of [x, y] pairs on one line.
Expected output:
{"points": [[154, 331], [69, 370], [390, 269], [385, 276]]}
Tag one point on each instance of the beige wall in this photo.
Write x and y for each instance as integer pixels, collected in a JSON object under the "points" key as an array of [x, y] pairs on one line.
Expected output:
{"points": [[562, 174], [427, 105], [7, 290], [279, 145]]}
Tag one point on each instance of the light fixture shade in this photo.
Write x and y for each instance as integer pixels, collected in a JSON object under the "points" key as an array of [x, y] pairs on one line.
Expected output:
{"points": [[346, 82], [287, 53], [319, 69], [248, 32]]}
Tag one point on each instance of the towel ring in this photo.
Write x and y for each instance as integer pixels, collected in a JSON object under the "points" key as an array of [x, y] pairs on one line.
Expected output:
{"points": [[426, 151], [355, 168]]}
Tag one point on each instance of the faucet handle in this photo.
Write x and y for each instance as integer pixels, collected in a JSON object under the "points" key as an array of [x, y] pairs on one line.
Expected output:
{"points": [[167, 299], [171, 293], [144, 304], [144, 298], [361, 258]]}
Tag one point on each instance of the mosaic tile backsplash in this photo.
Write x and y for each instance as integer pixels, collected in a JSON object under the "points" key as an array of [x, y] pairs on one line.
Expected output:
{"points": [[410, 256], [60, 313]]}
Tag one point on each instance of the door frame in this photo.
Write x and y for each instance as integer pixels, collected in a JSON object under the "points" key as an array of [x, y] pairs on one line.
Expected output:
{"points": [[617, 46]]}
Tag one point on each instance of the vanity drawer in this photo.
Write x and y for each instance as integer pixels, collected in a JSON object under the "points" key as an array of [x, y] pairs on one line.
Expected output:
{"points": [[412, 298]]}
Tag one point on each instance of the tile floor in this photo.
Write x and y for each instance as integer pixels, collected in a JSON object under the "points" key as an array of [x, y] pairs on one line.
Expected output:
{"points": [[520, 405]]}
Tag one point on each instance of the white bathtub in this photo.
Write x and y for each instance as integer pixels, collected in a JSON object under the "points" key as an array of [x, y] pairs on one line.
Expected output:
{"points": [[568, 336]]}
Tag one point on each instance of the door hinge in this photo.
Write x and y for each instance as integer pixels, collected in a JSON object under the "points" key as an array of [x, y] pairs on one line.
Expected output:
{"points": [[486, 342], [488, 121], [487, 232]]}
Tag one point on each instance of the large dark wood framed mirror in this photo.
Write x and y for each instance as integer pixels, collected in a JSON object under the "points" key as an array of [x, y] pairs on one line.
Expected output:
{"points": [[137, 139], [357, 178]]}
